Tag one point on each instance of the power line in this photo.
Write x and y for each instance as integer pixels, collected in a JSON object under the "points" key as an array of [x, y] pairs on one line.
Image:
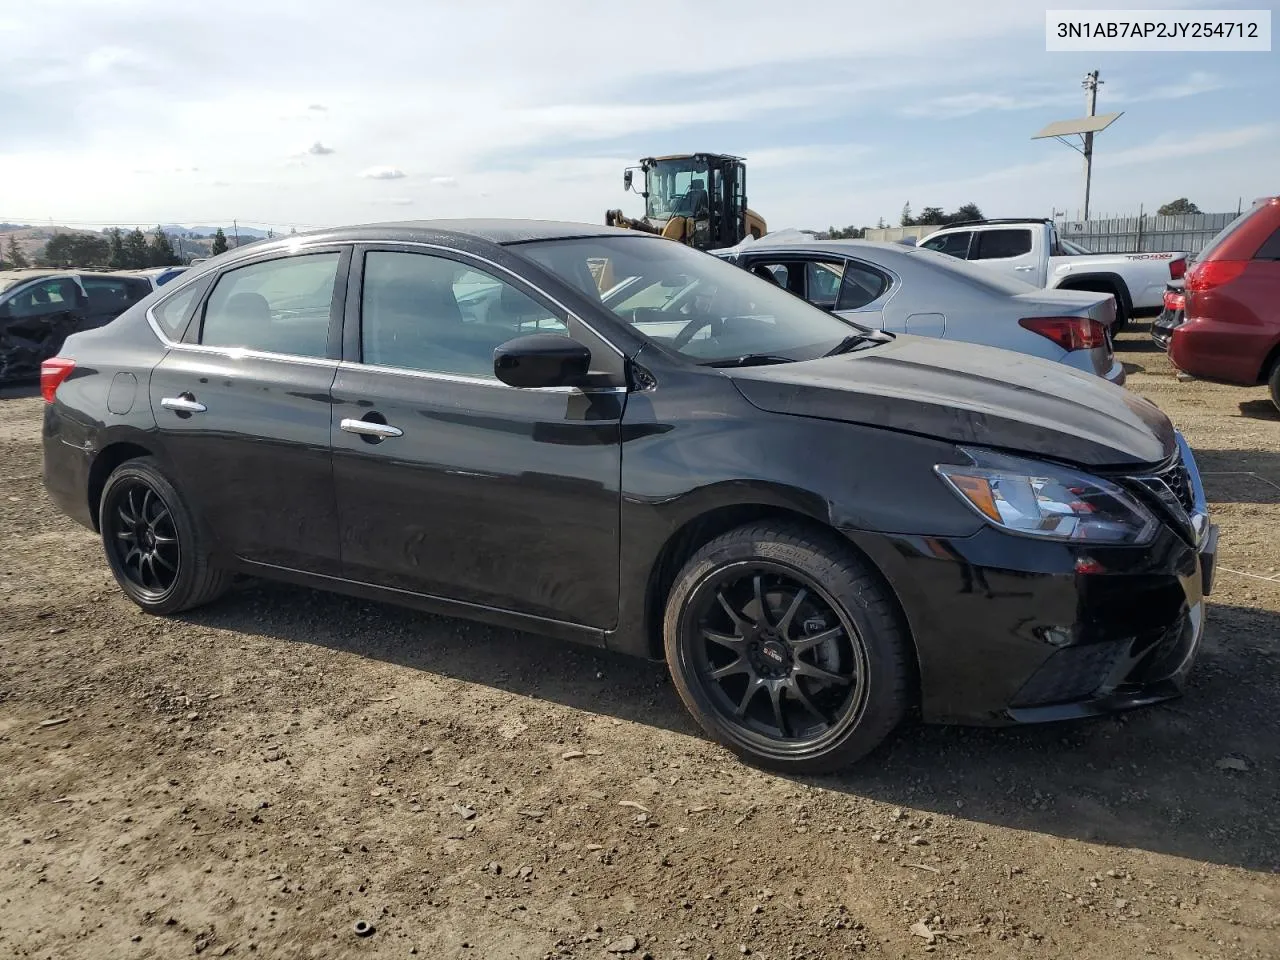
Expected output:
{"points": [[175, 221]]}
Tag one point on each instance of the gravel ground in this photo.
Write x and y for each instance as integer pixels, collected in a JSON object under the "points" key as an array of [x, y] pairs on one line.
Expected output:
{"points": [[257, 777]]}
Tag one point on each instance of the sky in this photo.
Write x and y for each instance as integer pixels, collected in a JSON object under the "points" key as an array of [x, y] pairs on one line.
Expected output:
{"points": [[322, 112]]}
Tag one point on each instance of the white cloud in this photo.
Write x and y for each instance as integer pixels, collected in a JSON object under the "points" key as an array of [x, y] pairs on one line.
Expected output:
{"points": [[143, 78], [318, 149]]}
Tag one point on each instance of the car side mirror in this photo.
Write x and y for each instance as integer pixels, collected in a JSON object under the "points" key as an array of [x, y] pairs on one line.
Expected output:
{"points": [[541, 360], [626, 179]]}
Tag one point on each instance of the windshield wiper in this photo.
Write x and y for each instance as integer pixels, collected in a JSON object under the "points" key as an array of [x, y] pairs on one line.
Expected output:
{"points": [[748, 360], [857, 339]]}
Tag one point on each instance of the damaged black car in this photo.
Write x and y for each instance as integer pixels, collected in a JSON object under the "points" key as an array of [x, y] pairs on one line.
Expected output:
{"points": [[614, 439], [40, 309]]}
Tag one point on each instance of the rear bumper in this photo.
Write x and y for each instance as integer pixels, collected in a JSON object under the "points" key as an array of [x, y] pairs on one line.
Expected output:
{"points": [[1224, 351], [66, 468]]}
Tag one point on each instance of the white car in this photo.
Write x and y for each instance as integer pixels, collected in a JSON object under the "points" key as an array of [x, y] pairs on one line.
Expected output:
{"points": [[1032, 251]]}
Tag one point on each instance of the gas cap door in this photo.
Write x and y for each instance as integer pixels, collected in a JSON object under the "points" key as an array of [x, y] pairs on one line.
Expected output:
{"points": [[927, 324]]}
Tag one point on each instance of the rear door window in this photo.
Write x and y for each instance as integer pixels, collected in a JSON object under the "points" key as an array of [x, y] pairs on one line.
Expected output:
{"points": [[822, 282], [1000, 244], [112, 296], [953, 244], [276, 306]]}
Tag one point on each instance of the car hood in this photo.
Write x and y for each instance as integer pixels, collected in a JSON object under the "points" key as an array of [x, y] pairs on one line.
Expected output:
{"points": [[971, 394]]}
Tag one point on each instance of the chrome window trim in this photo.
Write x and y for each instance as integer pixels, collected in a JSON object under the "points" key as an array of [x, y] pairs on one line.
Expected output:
{"points": [[297, 246], [472, 381]]}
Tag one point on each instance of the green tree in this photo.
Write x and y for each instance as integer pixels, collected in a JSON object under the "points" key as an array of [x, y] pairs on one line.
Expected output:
{"points": [[1177, 207], [845, 233], [880, 224], [13, 254], [135, 250], [76, 250], [115, 249], [968, 211], [160, 250], [219, 243], [930, 215], [906, 220]]}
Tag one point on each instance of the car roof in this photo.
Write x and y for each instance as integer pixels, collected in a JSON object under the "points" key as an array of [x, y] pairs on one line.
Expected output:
{"points": [[842, 247], [494, 230]]}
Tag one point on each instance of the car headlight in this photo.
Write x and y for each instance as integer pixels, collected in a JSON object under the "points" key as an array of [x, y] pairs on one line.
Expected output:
{"points": [[1045, 500]]}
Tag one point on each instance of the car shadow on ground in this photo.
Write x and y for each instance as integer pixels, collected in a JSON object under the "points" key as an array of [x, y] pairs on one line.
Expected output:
{"points": [[1259, 410], [19, 389], [1162, 779], [1136, 337]]}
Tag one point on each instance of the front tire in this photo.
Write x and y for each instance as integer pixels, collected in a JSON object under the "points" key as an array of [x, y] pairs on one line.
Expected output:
{"points": [[786, 648], [1274, 384], [156, 550]]}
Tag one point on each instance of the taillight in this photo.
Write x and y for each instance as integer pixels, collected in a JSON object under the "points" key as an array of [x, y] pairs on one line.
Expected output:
{"points": [[52, 372], [1174, 301], [1070, 333], [1212, 273], [1178, 268]]}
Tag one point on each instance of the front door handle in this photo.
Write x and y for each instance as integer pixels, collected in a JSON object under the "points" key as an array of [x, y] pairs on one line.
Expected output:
{"points": [[183, 404], [367, 428], [1024, 269]]}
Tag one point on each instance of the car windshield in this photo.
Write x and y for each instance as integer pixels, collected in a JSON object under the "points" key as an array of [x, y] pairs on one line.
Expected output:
{"points": [[698, 305], [978, 277]]}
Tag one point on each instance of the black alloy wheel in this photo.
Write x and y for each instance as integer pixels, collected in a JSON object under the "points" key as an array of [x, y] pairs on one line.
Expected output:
{"points": [[775, 655], [143, 539], [787, 648], [157, 551]]}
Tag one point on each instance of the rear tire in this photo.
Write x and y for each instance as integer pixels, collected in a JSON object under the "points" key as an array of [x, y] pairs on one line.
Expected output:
{"points": [[1274, 384], [154, 545], [786, 648]]}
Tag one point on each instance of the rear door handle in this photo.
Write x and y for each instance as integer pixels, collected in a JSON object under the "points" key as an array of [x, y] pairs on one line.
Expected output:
{"points": [[183, 405], [1024, 269], [367, 428]]}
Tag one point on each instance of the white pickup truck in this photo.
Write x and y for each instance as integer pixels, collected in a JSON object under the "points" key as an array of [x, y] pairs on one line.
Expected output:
{"points": [[1031, 250]]}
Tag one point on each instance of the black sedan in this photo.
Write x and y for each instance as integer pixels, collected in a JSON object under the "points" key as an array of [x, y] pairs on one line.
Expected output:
{"points": [[818, 526]]}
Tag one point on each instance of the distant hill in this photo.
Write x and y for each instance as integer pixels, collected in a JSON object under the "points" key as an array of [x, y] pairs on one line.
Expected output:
{"points": [[202, 230]]}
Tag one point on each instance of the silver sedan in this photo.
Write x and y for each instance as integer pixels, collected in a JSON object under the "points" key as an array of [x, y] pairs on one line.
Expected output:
{"points": [[904, 289]]}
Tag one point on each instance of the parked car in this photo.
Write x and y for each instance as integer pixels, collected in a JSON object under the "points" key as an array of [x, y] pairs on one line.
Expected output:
{"points": [[40, 308], [1232, 328], [817, 525], [1173, 315], [159, 276], [1031, 250], [905, 289]]}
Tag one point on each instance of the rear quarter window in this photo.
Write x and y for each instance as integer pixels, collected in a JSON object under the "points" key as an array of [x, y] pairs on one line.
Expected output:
{"points": [[173, 313], [1270, 249]]}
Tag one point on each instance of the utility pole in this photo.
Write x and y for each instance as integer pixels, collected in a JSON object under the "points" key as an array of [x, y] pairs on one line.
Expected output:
{"points": [[1090, 85], [235, 227]]}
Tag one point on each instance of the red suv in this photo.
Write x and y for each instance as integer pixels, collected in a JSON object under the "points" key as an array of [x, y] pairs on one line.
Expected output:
{"points": [[1232, 328]]}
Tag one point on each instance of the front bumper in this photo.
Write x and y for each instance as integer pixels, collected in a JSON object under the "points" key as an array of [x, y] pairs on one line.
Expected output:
{"points": [[1012, 629]]}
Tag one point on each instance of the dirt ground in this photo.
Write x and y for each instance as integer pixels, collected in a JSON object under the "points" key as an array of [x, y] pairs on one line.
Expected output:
{"points": [[257, 777]]}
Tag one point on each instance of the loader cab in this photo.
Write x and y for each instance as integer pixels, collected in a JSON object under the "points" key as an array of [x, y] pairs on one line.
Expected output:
{"points": [[710, 190]]}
